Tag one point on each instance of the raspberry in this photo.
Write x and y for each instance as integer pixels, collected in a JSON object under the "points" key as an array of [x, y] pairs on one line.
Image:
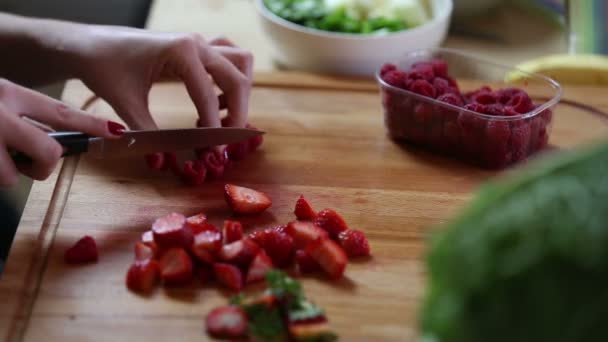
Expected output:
{"points": [[521, 103], [386, 68], [509, 111], [472, 129], [441, 86], [494, 109], [422, 71], [440, 67], [435, 136], [423, 88], [483, 97], [520, 139], [451, 134], [546, 116], [496, 149], [395, 78], [476, 107], [505, 95], [451, 99], [423, 113], [452, 82]]}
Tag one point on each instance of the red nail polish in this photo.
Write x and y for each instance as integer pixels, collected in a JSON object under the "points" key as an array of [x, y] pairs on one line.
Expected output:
{"points": [[116, 128]]}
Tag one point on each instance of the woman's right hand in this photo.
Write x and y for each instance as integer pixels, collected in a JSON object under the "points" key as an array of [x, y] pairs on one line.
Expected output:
{"points": [[16, 133]]}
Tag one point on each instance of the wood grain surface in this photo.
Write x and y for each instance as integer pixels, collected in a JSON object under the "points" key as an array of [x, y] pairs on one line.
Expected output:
{"points": [[327, 142]]}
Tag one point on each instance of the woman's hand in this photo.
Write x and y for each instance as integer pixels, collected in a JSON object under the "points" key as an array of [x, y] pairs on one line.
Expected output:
{"points": [[121, 64], [16, 133]]}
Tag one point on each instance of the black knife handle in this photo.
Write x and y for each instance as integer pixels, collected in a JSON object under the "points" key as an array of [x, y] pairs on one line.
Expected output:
{"points": [[72, 142]]}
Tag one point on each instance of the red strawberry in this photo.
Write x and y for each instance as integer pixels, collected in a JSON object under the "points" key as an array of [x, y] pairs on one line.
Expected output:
{"points": [[83, 251], [237, 151], [204, 273], [170, 162], [329, 255], [333, 223], [245, 200], [227, 322], [214, 163], [206, 245], [239, 253], [194, 172], [259, 236], [143, 276], [354, 243], [304, 210], [279, 247], [169, 231], [198, 223], [233, 231], [143, 251], [304, 232], [305, 262], [228, 275], [147, 237], [155, 161], [176, 267], [258, 268]]}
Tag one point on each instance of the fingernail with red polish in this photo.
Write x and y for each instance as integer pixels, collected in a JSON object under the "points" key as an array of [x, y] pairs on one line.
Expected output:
{"points": [[116, 128]]}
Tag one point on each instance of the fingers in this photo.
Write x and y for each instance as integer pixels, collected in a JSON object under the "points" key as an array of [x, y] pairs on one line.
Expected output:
{"points": [[239, 57], [221, 41], [133, 109]]}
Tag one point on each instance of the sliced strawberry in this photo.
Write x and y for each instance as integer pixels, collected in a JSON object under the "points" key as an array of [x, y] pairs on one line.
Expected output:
{"points": [[227, 322], [83, 251], [233, 231], [143, 251], [228, 275], [155, 161], [280, 229], [176, 267], [354, 243], [304, 232], [305, 262], [198, 223], [333, 223], [206, 245], [245, 200], [237, 151], [239, 253], [204, 273], [170, 231], [304, 210], [147, 237], [279, 247], [143, 276], [329, 255], [258, 236], [258, 268]]}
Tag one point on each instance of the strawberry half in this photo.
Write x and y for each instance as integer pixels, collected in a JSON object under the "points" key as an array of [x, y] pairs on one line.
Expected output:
{"points": [[198, 223], [354, 243], [83, 251], [304, 210], [176, 267], [245, 200], [143, 251], [329, 255], [206, 245], [233, 231], [170, 231], [239, 253], [304, 232], [228, 275], [227, 322], [333, 223], [305, 262], [258, 268], [143, 276], [279, 247]]}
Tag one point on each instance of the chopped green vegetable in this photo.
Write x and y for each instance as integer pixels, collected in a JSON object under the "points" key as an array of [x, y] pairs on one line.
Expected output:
{"points": [[528, 260]]}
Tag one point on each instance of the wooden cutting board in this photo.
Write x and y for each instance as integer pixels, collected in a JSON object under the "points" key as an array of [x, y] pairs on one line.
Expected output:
{"points": [[325, 139]]}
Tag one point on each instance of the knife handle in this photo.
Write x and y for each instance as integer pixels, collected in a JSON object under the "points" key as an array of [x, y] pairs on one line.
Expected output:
{"points": [[72, 142]]}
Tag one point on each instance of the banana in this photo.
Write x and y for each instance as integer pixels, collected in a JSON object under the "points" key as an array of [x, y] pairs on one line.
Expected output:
{"points": [[583, 69]]}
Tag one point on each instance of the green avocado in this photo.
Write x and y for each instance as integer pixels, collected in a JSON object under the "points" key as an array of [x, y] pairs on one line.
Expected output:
{"points": [[528, 259]]}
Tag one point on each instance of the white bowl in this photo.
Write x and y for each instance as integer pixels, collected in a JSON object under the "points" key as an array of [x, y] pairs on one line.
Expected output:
{"points": [[302, 48]]}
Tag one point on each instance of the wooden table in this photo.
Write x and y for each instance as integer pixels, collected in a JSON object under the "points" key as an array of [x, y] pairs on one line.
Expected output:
{"points": [[325, 140]]}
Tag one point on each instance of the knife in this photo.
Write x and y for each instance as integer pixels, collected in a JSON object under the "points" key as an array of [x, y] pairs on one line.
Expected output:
{"points": [[144, 142]]}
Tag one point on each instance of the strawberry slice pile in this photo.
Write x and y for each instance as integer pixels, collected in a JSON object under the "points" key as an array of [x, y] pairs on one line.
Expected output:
{"points": [[209, 165]]}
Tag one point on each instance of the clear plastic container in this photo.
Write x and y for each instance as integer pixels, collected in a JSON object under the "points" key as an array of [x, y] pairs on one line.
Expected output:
{"points": [[490, 141]]}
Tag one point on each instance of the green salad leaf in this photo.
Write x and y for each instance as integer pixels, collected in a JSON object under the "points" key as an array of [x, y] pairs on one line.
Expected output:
{"points": [[528, 259]]}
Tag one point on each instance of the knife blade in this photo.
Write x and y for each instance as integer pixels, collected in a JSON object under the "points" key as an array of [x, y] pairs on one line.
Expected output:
{"points": [[144, 142]]}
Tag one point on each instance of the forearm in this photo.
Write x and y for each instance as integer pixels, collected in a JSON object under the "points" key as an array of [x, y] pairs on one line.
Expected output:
{"points": [[38, 51]]}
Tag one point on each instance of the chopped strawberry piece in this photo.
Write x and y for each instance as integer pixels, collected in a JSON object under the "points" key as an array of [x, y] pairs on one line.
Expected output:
{"points": [[304, 232], [147, 237], [237, 151], [176, 267], [170, 162], [305, 262], [228, 275], [198, 223], [227, 322], [258, 268], [143, 251], [206, 245], [329, 255], [304, 210], [204, 273], [258, 236], [83, 251], [239, 253], [245, 200], [194, 172], [354, 243], [169, 231], [214, 162], [155, 161], [233, 231], [333, 223], [143, 276], [279, 247]]}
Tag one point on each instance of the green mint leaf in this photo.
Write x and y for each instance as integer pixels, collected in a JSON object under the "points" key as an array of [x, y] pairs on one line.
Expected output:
{"points": [[265, 323]]}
